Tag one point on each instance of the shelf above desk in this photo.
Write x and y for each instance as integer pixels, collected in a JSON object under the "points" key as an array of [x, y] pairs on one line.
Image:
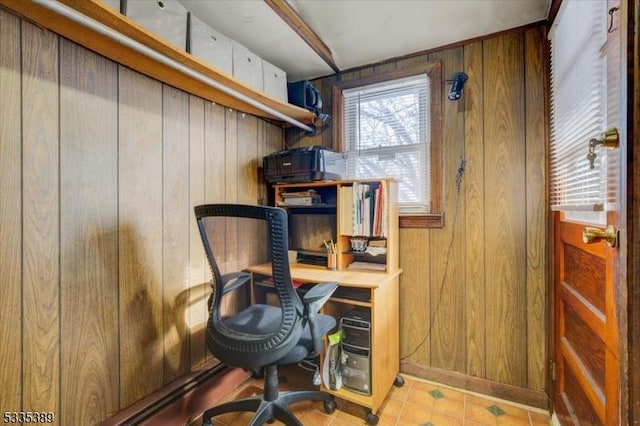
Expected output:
{"points": [[106, 46]]}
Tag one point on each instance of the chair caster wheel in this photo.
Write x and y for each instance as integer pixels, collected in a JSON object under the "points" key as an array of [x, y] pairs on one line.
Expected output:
{"points": [[271, 421], [399, 381], [257, 373], [371, 419], [329, 406], [205, 423]]}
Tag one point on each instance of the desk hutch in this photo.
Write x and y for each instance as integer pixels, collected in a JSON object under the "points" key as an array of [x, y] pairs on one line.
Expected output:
{"points": [[373, 286]]}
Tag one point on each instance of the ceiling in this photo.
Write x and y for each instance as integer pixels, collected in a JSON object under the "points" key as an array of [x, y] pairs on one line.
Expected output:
{"points": [[361, 32]]}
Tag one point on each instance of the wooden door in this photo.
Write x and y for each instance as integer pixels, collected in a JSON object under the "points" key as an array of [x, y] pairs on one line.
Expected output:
{"points": [[587, 354], [590, 316]]}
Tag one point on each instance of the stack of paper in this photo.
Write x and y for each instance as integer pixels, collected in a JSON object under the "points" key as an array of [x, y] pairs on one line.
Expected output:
{"points": [[301, 198]]}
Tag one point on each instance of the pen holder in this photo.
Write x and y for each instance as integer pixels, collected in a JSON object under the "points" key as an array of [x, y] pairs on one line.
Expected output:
{"points": [[332, 261]]}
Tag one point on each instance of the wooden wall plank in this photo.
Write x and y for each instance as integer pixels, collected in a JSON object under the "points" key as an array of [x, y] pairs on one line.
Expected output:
{"points": [[140, 235], [505, 260], [415, 311], [176, 213], [215, 161], [412, 61], [382, 68], [11, 214], [475, 197], [537, 219], [448, 334], [231, 156], [88, 235], [199, 273], [214, 153], [247, 155], [215, 167], [231, 186], [41, 220]]}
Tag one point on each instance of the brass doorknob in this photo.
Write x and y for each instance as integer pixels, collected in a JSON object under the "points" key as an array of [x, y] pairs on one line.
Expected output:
{"points": [[593, 235]]}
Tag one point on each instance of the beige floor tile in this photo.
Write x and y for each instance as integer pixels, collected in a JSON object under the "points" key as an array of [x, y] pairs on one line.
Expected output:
{"points": [[450, 407], [479, 414], [314, 418], [426, 386], [420, 396], [391, 407], [447, 391], [440, 419], [387, 420], [414, 414]]}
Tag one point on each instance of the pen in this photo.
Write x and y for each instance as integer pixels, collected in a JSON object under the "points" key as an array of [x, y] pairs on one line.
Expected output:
{"points": [[330, 246]]}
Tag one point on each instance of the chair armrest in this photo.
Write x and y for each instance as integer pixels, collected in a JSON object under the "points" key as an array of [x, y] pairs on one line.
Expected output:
{"points": [[230, 282], [313, 300], [234, 281]]}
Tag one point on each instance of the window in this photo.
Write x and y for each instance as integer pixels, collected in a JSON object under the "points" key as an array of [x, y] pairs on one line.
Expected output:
{"points": [[578, 106], [389, 125]]}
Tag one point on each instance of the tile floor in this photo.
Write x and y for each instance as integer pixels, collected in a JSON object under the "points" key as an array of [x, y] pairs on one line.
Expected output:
{"points": [[418, 402]]}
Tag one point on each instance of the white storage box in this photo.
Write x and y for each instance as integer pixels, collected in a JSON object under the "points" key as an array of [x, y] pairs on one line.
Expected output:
{"points": [[165, 18], [247, 66], [209, 45], [274, 81], [113, 4]]}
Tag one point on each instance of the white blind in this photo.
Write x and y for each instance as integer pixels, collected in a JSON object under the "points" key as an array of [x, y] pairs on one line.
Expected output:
{"points": [[578, 105], [386, 134]]}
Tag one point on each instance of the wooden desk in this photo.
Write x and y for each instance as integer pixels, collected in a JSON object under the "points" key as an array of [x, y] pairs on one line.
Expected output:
{"points": [[382, 290]]}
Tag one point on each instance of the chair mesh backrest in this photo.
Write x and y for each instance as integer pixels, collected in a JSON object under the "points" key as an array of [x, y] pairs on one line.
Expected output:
{"points": [[235, 237]]}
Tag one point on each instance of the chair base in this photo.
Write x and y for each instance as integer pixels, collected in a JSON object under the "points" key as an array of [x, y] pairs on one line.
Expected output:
{"points": [[271, 405], [268, 410]]}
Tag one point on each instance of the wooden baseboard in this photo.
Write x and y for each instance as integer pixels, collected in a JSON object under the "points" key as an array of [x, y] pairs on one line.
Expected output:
{"points": [[184, 399], [517, 394]]}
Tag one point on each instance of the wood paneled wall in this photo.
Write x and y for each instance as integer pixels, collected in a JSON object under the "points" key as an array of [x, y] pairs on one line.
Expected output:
{"points": [[104, 278], [474, 293]]}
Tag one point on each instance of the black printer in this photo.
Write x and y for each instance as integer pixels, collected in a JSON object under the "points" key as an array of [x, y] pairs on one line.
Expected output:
{"points": [[304, 164]]}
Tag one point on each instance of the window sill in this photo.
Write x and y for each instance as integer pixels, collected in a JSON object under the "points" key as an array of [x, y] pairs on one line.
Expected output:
{"points": [[431, 220]]}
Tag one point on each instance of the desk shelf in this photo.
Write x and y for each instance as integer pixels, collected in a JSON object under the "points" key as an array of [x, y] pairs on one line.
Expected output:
{"points": [[105, 46], [340, 198]]}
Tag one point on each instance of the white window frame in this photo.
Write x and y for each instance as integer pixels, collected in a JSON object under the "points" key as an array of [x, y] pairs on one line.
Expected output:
{"points": [[429, 212]]}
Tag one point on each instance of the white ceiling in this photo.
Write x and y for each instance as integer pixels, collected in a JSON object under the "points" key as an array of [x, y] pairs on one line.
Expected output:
{"points": [[361, 32]]}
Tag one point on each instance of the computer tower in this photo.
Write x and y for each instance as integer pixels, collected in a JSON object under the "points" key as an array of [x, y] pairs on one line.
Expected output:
{"points": [[355, 360]]}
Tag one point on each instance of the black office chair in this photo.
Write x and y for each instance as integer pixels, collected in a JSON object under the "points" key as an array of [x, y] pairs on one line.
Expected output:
{"points": [[261, 336]]}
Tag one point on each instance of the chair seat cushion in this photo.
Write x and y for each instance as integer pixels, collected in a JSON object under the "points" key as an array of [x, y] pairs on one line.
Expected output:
{"points": [[265, 319]]}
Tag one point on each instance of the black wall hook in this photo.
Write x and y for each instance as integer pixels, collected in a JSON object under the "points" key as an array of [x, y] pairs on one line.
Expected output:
{"points": [[457, 83]]}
